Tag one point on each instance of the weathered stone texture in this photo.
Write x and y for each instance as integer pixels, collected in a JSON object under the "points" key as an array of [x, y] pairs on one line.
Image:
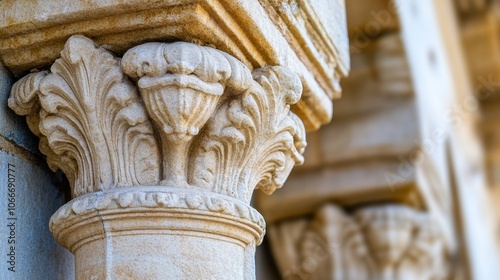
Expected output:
{"points": [[37, 252]]}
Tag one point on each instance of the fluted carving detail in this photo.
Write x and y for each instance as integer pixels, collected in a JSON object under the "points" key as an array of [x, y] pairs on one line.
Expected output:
{"points": [[378, 242], [250, 137], [181, 85], [218, 127]]}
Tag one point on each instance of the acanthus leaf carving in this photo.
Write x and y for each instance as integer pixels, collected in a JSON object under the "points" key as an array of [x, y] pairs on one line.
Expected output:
{"points": [[218, 127], [181, 85], [253, 140], [175, 165], [92, 124]]}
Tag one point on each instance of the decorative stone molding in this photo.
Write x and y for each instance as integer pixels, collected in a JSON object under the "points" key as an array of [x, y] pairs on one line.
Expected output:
{"points": [[302, 20], [148, 197], [376, 242], [174, 163], [97, 226], [32, 34]]}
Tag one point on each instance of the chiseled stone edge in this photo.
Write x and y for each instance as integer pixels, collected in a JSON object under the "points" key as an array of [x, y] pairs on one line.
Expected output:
{"points": [[155, 197]]}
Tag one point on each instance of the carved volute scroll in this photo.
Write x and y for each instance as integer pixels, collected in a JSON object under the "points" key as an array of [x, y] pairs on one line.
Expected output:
{"points": [[377, 242], [218, 127]]}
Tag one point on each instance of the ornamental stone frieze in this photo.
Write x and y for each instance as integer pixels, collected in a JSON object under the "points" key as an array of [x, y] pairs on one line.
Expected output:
{"points": [[383, 242], [163, 149]]}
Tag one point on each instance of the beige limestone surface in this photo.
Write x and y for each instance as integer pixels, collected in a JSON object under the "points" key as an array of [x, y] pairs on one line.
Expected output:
{"points": [[165, 116], [150, 179]]}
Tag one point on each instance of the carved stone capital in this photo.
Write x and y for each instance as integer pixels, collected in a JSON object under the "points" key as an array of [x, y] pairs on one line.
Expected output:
{"points": [[171, 139], [377, 242]]}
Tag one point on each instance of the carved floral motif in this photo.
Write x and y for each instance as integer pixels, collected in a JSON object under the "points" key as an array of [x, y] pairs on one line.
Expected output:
{"points": [[377, 242], [253, 141], [219, 128]]}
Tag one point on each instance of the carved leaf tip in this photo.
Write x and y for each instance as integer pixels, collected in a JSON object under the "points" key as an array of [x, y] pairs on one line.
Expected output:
{"points": [[281, 81], [76, 47], [24, 94], [90, 119]]}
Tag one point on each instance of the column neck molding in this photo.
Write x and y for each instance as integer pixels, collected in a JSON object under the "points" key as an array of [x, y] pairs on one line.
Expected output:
{"points": [[234, 220]]}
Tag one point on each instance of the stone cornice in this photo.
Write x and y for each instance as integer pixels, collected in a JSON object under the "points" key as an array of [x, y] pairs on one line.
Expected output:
{"points": [[33, 34]]}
